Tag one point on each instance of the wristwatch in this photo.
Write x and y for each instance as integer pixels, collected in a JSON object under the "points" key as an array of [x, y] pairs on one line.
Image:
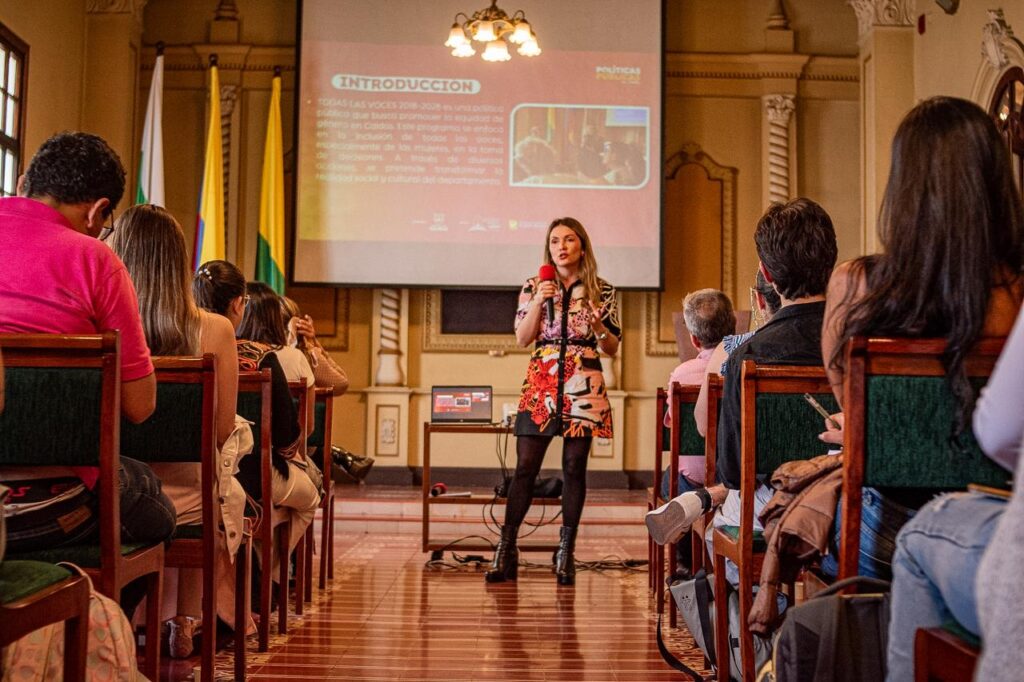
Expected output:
{"points": [[602, 336]]}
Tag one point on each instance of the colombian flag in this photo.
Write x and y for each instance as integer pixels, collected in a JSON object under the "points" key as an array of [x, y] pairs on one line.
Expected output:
{"points": [[210, 226], [270, 244]]}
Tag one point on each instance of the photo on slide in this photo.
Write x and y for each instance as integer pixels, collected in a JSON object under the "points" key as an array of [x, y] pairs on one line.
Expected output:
{"points": [[580, 146]]}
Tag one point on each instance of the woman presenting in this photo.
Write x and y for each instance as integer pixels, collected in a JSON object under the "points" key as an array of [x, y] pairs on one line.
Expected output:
{"points": [[563, 394]]}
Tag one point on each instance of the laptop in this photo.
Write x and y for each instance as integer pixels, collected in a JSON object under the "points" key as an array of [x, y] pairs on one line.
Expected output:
{"points": [[461, 405]]}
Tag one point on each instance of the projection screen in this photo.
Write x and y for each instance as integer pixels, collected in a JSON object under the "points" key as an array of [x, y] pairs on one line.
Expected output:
{"points": [[418, 168]]}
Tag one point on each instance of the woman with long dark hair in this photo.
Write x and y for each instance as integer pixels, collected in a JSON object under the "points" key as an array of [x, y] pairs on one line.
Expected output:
{"points": [[951, 229], [151, 244], [564, 393]]}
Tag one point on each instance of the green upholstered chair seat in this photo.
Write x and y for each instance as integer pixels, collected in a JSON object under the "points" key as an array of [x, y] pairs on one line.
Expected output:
{"points": [[908, 429], [788, 428], [87, 556], [954, 628], [734, 532], [20, 579], [691, 443]]}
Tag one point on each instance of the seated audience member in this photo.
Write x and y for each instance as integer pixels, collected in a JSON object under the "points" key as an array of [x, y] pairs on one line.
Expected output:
{"points": [[151, 245], [796, 245], [999, 424], [767, 301], [219, 286], [709, 318], [302, 334], [950, 228], [60, 279], [263, 322]]}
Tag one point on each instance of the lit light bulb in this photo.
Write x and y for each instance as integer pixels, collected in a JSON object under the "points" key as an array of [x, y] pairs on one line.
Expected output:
{"points": [[521, 34], [464, 50], [530, 48], [456, 37], [497, 51], [485, 32]]}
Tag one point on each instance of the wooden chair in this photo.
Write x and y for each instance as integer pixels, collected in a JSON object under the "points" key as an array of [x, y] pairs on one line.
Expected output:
{"points": [[941, 655], [34, 594], [777, 426], [683, 439], [254, 405], [183, 429], [64, 408], [898, 422], [700, 526], [303, 396], [323, 422]]}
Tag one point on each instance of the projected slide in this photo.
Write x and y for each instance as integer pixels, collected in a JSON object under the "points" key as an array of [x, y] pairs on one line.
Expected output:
{"points": [[417, 168]]}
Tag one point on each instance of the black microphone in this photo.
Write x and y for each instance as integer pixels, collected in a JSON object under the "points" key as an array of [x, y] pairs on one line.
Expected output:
{"points": [[547, 274]]}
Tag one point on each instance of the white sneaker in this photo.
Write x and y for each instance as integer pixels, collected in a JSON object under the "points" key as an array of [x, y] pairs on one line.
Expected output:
{"points": [[671, 520]]}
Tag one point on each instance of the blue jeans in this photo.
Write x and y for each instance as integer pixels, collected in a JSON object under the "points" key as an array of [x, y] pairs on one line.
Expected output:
{"points": [[937, 557], [881, 520], [685, 484]]}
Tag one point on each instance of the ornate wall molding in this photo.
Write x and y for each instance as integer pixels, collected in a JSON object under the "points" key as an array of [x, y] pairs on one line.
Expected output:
{"points": [[435, 341], [684, 65], [115, 6], [779, 111], [871, 13], [777, 19], [995, 35], [691, 153], [1000, 50]]}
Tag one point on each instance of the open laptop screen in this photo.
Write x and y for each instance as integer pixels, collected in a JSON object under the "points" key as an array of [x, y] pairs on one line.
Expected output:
{"points": [[467, 404]]}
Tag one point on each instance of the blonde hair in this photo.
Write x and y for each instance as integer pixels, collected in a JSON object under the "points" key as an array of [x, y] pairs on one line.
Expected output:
{"points": [[588, 264], [150, 243]]}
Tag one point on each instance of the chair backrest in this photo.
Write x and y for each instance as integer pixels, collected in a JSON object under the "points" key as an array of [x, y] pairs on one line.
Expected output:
{"points": [[898, 431], [254, 405], [63, 401], [687, 441], [323, 422], [715, 383], [900, 414], [182, 427], [303, 397], [63, 407], [777, 425]]}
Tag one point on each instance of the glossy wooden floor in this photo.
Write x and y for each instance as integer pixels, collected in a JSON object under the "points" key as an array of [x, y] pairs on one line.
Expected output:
{"points": [[389, 617]]}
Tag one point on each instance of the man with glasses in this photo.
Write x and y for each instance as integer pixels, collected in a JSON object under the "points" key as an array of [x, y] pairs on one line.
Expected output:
{"points": [[59, 279]]}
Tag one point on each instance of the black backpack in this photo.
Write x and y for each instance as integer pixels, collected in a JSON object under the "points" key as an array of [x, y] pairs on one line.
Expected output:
{"points": [[835, 637]]}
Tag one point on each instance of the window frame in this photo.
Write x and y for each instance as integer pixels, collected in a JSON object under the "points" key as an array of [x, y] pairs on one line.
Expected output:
{"points": [[13, 44]]}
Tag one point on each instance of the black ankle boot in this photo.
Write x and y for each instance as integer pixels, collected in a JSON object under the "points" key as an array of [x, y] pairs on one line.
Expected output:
{"points": [[565, 562], [505, 565]]}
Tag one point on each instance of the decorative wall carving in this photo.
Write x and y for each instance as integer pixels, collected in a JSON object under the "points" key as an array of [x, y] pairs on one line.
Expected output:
{"points": [[871, 13], [994, 36], [434, 340], [779, 110], [389, 369], [227, 10], [777, 19], [115, 6], [691, 153]]}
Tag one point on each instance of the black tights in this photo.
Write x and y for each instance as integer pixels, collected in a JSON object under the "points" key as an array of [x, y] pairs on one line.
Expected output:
{"points": [[529, 457]]}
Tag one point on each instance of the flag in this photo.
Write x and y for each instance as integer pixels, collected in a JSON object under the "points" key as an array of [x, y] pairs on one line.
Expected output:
{"points": [[150, 186], [270, 243], [210, 226]]}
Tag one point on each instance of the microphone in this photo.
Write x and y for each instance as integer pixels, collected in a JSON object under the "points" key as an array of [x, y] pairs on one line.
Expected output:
{"points": [[547, 274]]}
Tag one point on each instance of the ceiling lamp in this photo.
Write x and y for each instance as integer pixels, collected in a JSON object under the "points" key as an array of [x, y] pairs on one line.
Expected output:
{"points": [[494, 28]]}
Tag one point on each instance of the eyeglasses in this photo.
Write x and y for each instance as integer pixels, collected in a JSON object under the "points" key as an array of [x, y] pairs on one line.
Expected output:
{"points": [[107, 230]]}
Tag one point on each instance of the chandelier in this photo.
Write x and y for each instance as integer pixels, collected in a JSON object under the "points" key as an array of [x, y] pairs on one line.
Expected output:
{"points": [[494, 27]]}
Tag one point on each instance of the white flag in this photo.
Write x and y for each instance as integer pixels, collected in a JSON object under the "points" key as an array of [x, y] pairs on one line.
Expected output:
{"points": [[151, 160]]}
